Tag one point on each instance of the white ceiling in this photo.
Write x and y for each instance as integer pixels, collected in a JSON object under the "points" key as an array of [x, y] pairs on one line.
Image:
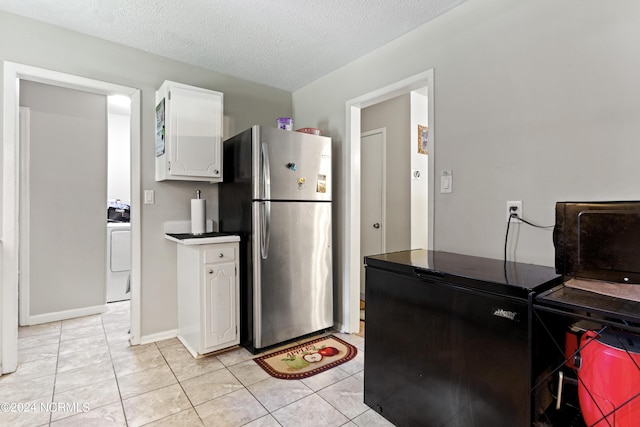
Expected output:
{"points": [[281, 43]]}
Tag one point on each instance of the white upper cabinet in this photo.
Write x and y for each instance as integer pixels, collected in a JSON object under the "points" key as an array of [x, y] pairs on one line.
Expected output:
{"points": [[188, 133]]}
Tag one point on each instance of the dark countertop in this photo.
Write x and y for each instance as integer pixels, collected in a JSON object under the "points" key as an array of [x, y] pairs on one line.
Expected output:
{"points": [[202, 239], [491, 275], [182, 236]]}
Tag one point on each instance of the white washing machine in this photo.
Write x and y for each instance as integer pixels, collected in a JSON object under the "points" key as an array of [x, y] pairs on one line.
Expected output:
{"points": [[118, 261]]}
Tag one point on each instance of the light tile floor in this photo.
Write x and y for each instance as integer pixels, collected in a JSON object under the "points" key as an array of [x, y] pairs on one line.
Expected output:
{"points": [[82, 372]]}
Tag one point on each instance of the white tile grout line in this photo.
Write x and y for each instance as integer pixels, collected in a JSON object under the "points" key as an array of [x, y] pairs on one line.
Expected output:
{"points": [[124, 414]]}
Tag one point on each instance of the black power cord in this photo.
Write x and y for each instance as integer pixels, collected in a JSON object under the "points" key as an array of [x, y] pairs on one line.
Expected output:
{"points": [[518, 217], [506, 239]]}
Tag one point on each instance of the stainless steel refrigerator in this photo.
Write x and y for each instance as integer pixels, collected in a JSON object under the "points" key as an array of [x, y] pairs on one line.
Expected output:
{"points": [[276, 193]]}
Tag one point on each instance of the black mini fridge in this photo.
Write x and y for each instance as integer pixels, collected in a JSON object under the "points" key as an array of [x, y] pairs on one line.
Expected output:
{"points": [[449, 339]]}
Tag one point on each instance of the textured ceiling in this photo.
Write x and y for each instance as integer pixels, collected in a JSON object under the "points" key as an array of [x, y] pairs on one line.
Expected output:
{"points": [[281, 43]]}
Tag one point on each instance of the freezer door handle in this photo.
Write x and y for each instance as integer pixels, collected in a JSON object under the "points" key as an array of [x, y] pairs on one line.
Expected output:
{"points": [[427, 274], [266, 172], [265, 205]]}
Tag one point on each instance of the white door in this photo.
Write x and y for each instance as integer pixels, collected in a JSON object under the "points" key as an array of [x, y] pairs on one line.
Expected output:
{"points": [[372, 199]]}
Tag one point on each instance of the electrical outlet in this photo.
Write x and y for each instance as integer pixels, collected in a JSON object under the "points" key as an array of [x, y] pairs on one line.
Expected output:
{"points": [[514, 207]]}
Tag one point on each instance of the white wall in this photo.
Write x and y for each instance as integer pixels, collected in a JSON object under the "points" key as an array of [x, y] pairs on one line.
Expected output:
{"points": [[66, 171], [419, 163], [246, 103], [118, 153], [524, 111], [535, 101]]}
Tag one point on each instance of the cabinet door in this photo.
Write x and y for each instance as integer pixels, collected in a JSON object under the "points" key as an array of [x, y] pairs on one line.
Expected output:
{"points": [[195, 133], [220, 304]]}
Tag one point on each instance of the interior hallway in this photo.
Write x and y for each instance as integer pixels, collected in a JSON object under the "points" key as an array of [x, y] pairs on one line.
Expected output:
{"points": [[88, 361]]}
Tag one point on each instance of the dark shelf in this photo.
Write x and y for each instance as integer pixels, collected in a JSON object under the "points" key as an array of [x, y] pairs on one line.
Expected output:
{"points": [[576, 300]]}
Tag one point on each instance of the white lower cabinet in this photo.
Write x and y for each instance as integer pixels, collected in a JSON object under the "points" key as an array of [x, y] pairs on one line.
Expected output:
{"points": [[208, 297]]}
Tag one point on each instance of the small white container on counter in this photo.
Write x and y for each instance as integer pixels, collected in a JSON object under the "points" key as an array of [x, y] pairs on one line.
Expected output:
{"points": [[198, 215]]}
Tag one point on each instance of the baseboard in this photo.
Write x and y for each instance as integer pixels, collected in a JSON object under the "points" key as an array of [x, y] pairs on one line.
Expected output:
{"points": [[186, 345], [159, 336], [64, 315]]}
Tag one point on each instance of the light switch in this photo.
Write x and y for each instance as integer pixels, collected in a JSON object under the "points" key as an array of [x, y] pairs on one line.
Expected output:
{"points": [[149, 197], [446, 181]]}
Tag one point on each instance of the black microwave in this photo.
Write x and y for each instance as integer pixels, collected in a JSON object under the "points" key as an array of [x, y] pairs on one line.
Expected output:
{"points": [[598, 240]]}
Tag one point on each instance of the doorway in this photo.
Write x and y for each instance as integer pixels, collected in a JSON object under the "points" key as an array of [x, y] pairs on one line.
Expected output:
{"points": [[63, 184], [12, 74], [350, 310], [118, 263]]}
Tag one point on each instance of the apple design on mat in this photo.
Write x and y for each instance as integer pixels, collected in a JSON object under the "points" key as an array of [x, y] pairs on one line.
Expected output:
{"points": [[328, 351], [296, 362], [312, 357]]}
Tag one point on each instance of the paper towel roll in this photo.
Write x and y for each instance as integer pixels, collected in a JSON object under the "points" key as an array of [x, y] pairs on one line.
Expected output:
{"points": [[198, 216]]}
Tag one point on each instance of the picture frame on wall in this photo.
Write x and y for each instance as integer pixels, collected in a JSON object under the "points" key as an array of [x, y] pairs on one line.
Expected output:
{"points": [[423, 134]]}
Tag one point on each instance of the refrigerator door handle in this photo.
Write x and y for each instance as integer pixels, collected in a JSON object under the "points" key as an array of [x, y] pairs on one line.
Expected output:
{"points": [[266, 173], [265, 211], [265, 222]]}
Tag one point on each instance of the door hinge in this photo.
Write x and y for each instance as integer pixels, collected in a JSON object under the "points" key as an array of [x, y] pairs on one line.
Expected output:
{"points": [[169, 95]]}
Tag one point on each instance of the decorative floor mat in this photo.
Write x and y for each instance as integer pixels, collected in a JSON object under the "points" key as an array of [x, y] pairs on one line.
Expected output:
{"points": [[305, 360]]}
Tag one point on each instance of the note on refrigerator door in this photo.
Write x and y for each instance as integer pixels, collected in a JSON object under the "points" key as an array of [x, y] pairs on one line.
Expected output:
{"points": [[321, 186]]}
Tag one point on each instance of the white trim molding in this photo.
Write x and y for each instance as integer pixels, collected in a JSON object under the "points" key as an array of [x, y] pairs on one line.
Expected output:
{"points": [[159, 336], [66, 314]]}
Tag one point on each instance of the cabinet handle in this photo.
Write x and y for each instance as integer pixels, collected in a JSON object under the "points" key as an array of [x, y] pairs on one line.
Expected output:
{"points": [[221, 255], [210, 271], [216, 171]]}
